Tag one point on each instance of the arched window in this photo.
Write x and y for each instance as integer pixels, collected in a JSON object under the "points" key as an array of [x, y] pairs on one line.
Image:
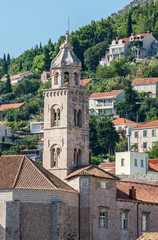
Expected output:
{"points": [[55, 116], [55, 154], [76, 79], [77, 117], [56, 78], [66, 78], [77, 155]]}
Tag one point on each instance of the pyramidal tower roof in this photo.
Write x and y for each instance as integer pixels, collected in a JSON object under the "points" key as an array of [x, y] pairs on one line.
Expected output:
{"points": [[66, 56]]}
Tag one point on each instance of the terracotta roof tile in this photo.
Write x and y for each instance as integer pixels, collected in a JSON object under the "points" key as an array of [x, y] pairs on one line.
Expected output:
{"points": [[85, 81], [111, 170], [19, 172], [144, 81], [123, 121], [107, 165], [155, 161], [153, 167], [13, 105], [144, 192], [20, 74], [149, 236], [91, 170], [147, 125], [113, 93]]}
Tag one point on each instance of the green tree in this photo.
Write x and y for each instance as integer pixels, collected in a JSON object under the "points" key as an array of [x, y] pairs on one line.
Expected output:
{"points": [[4, 65], [153, 153], [129, 26], [107, 136], [8, 85], [128, 107], [46, 59], [93, 54]]}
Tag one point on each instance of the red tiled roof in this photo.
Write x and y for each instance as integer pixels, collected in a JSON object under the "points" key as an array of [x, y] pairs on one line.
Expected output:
{"points": [[111, 170], [144, 81], [91, 170], [113, 93], [148, 125], [20, 74], [153, 167], [144, 192], [13, 105], [123, 121], [107, 165], [155, 161], [127, 39], [19, 172], [85, 81]]}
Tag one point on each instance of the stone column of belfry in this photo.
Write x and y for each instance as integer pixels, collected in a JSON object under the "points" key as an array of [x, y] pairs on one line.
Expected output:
{"points": [[66, 116]]}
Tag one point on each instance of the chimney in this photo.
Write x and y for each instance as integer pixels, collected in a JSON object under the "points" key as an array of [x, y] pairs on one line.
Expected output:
{"points": [[117, 38], [132, 34], [132, 193]]}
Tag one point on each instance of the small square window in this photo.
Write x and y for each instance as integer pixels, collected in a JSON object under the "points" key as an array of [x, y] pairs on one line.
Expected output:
{"points": [[122, 162], [142, 163], [145, 133], [84, 183], [103, 185], [144, 144], [153, 133]]}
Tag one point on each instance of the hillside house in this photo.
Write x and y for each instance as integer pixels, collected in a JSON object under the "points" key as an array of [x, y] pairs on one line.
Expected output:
{"points": [[145, 135], [121, 124], [104, 103], [5, 134], [140, 46], [19, 77], [146, 85], [45, 76]]}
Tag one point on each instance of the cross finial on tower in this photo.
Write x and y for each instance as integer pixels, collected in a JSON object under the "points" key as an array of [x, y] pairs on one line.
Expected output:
{"points": [[67, 34]]}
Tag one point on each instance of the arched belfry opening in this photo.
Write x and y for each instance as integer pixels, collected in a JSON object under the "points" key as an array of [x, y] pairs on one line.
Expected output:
{"points": [[76, 79], [77, 155], [77, 117], [55, 116], [54, 155], [66, 78]]}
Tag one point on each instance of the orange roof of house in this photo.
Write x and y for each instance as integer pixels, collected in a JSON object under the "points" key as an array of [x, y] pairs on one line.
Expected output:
{"points": [[153, 167], [144, 192], [144, 81], [148, 125], [107, 165], [155, 161], [20, 74], [111, 170], [85, 81], [93, 171], [113, 93], [13, 105], [123, 121], [127, 39]]}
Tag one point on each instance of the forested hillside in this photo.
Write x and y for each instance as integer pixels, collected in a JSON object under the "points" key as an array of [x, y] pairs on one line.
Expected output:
{"points": [[37, 59]]}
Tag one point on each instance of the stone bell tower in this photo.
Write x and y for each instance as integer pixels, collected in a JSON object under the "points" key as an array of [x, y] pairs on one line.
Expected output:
{"points": [[66, 116]]}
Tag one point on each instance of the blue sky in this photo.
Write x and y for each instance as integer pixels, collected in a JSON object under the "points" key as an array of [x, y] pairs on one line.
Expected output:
{"points": [[25, 23]]}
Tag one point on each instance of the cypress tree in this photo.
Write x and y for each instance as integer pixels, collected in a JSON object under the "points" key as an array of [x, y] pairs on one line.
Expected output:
{"points": [[46, 59], [4, 65], [8, 61], [20, 66], [8, 85], [129, 26]]}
